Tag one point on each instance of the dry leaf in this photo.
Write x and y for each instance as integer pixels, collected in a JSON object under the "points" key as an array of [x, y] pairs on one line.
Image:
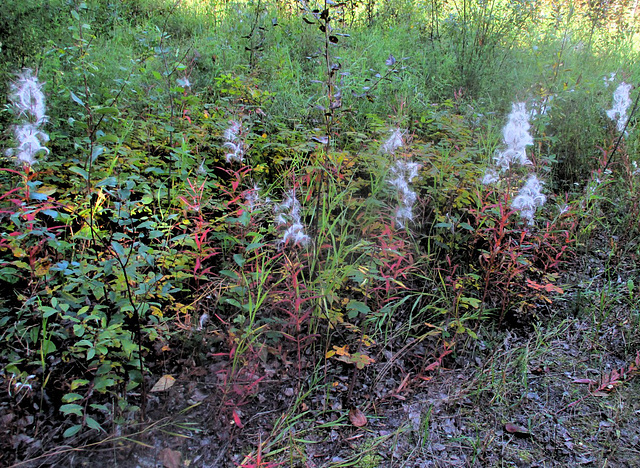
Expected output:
{"points": [[585, 381], [170, 458], [357, 417], [164, 383], [516, 429]]}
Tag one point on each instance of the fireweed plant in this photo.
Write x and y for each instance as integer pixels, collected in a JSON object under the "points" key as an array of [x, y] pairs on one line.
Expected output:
{"points": [[529, 199], [601, 185], [516, 137], [518, 264]]}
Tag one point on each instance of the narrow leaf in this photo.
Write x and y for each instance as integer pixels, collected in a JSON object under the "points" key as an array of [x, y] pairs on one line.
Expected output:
{"points": [[76, 99], [73, 430]]}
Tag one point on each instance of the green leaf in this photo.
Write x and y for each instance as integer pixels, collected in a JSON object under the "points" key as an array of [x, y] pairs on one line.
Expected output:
{"points": [[73, 430], [102, 408], [103, 383], [470, 301], [54, 214], [356, 307], [48, 347], [239, 259], [119, 250], [233, 302], [78, 383], [129, 347], [108, 138], [76, 98], [69, 397], [48, 311], [230, 273], [107, 182], [38, 196], [253, 246], [81, 172], [71, 408], [92, 423]]}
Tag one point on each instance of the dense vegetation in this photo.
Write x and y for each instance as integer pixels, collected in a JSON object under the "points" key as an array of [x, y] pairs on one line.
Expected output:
{"points": [[284, 193]]}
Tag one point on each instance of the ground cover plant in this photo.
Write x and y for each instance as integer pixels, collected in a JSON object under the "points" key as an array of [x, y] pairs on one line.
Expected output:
{"points": [[330, 234]]}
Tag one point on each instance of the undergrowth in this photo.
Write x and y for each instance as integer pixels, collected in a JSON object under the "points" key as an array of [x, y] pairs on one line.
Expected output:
{"points": [[298, 183]]}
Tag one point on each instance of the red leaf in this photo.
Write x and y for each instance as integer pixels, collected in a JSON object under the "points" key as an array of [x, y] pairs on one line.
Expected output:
{"points": [[236, 419], [516, 429], [357, 417], [170, 458], [585, 381]]}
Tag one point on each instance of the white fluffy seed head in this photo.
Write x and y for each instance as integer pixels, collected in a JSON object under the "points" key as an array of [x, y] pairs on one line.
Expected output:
{"points": [[621, 102], [288, 214], [490, 177], [529, 198], [28, 101], [30, 142], [516, 138], [234, 142], [393, 142], [27, 97], [403, 172]]}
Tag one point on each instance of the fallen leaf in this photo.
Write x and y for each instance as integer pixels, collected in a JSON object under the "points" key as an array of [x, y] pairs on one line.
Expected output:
{"points": [[516, 429], [357, 417], [170, 458], [585, 381], [164, 383]]}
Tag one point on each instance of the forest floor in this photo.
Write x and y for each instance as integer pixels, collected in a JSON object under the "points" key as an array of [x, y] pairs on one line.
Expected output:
{"points": [[558, 393]]}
